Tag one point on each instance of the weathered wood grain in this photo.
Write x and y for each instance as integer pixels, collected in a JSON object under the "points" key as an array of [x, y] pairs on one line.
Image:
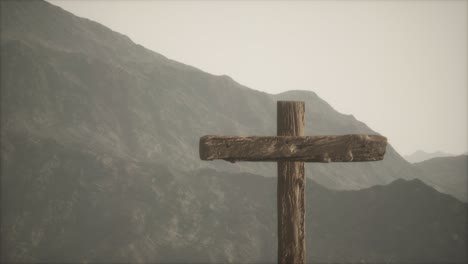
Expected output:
{"points": [[294, 148], [291, 149], [290, 188]]}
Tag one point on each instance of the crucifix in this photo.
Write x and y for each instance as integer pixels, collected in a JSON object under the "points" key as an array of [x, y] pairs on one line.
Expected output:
{"points": [[290, 149]]}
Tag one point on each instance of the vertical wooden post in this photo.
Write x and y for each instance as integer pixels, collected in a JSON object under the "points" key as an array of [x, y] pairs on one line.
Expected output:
{"points": [[290, 192]]}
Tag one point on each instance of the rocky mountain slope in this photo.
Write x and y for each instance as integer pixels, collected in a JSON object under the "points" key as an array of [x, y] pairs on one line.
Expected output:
{"points": [[63, 205], [92, 88], [99, 162]]}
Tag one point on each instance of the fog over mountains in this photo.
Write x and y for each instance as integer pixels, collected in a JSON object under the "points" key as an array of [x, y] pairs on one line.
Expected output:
{"points": [[445, 174], [420, 155], [99, 155]]}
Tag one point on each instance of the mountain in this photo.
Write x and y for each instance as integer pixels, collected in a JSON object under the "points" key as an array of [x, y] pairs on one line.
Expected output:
{"points": [[99, 162], [446, 174], [63, 205], [421, 155], [89, 87]]}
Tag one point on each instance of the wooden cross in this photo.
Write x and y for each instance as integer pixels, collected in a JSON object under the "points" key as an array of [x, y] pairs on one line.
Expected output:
{"points": [[291, 149]]}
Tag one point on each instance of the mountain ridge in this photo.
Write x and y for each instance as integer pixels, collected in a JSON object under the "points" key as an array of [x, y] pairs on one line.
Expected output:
{"points": [[100, 164], [421, 155], [222, 105], [446, 174]]}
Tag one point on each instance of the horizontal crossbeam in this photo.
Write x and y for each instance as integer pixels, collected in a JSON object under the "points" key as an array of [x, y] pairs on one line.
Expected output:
{"points": [[294, 148]]}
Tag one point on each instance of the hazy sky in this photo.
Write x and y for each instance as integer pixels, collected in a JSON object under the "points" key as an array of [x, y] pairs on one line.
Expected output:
{"points": [[398, 66]]}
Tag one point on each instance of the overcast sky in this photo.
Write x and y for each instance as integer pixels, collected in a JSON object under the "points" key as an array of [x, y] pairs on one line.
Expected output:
{"points": [[398, 66]]}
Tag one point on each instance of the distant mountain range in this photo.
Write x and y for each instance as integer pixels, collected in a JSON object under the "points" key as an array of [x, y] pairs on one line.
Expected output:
{"points": [[421, 155], [446, 174], [99, 155]]}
